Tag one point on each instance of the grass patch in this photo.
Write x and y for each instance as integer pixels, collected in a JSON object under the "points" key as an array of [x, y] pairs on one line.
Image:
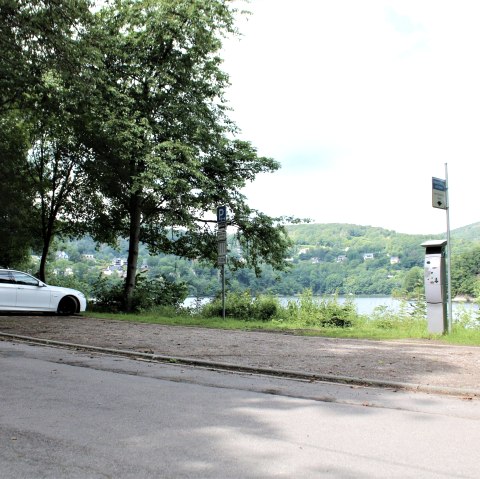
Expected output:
{"points": [[308, 316]]}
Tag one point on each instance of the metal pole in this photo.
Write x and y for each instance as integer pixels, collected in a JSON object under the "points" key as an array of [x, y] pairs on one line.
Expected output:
{"points": [[223, 291], [449, 255]]}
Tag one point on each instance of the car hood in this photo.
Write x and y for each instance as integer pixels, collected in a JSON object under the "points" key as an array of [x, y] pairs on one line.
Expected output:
{"points": [[61, 289]]}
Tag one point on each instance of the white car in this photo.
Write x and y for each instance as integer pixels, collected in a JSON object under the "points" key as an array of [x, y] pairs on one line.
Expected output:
{"points": [[22, 292]]}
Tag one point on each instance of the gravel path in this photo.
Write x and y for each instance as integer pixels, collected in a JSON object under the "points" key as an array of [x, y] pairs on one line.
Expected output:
{"points": [[415, 362]]}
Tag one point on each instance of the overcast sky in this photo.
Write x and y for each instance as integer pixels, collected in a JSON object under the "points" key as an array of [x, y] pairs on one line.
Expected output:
{"points": [[362, 102]]}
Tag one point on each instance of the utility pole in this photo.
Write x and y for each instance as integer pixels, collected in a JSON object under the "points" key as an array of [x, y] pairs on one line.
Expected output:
{"points": [[440, 200], [222, 248], [449, 255]]}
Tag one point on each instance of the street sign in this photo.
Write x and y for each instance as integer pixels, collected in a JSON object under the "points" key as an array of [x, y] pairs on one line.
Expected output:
{"points": [[221, 214], [439, 193], [222, 248]]}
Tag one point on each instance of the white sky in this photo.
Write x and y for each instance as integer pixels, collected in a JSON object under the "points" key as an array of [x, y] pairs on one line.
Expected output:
{"points": [[362, 102]]}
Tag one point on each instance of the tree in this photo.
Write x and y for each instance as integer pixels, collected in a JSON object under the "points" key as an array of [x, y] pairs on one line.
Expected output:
{"points": [[37, 36], [165, 153], [56, 169], [465, 272], [16, 214], [39, 42], [413, 281]]}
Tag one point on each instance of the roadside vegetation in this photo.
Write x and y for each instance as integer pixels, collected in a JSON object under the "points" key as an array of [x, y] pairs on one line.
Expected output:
{"points": [[306, 315]]}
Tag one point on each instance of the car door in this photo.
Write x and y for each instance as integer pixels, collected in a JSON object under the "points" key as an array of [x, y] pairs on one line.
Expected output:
{"points": [[31, 293], [8, 290]]}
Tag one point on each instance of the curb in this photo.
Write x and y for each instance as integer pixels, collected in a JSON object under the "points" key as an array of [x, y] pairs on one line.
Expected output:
{"points": [[331, 378]]}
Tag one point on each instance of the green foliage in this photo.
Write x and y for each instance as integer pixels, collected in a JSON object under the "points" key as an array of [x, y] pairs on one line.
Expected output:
{"points": [[465, 272], [17, 217], [317, 268], [128, 133], [71, 282], [37, 36], [109, 295], [155, 119], [266, 307], [465, 319], [408, 318], [313, 317], [413, 281], [326, 312], [243, 306]]}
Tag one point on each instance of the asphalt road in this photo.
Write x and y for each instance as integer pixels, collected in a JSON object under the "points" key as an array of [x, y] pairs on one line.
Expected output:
{"points": [[417, 365], [71, 414]]}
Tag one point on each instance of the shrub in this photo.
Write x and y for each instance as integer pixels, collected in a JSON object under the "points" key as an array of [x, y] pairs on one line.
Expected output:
{"points": [[409, 317], [70, 282], [266, 307], [148, 293], [107, 295], [243, 306], [327, 312]]}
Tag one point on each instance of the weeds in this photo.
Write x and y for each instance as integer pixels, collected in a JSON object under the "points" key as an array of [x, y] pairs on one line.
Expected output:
{"points": [[326, 316]]}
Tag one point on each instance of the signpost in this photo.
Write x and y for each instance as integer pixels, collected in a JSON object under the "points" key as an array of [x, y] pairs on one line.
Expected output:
{"points": [[439, 193], [440, 200], [222, 248], [222, 215]]}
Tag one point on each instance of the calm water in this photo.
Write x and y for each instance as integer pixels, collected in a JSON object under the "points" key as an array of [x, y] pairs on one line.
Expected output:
{"points": [[366, 305]]}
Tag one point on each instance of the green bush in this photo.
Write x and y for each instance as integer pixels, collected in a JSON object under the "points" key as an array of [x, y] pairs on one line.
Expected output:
{"points": [[409, 318], [70, 282], [243, 306], [109, 294], [325, 312], [266, 307]]}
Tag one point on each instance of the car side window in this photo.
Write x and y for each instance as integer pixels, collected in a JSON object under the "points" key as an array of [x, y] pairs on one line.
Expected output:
{"points": [[22, 278], [6, 277]]}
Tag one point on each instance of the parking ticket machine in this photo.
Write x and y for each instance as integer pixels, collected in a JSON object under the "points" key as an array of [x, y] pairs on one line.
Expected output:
{"points": [[436, 285]]}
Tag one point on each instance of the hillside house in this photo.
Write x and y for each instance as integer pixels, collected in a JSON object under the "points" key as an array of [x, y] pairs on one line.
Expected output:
{"points": [[119, 262], [114, 269]]}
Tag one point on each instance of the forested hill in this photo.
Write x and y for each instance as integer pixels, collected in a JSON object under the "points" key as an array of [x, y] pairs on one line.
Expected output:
{"points": [[339, 236], [467, 234], [326, 258], [334, 239], [347, 258]]}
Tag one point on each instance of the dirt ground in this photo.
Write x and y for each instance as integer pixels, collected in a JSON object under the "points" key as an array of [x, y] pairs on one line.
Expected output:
{"points": [[413, 362]]}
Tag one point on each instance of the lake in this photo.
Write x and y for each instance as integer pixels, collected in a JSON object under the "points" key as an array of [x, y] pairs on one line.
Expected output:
{"points": [[366, 305]]}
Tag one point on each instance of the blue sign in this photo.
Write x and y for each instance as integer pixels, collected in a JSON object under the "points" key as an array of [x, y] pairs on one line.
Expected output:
{"points": [[439, 193], [221, 214], [439, 184]]}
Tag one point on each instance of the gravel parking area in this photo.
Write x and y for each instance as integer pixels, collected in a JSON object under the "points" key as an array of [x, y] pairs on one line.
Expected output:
{"points": [[413, 362]]}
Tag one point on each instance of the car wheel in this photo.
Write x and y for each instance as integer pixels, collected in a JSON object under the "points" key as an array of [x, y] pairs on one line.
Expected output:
{"points": [[67, 306]]}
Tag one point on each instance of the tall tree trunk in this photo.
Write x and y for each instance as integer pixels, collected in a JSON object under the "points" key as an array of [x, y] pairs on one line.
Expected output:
{"points": [[43, 262], [134, 241], [47, 235]]}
